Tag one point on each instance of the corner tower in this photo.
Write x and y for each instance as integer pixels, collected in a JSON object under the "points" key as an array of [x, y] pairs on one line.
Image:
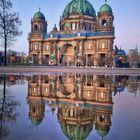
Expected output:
{"points": [[105, 19], [39, 23], [105, 26], [36, 37]]}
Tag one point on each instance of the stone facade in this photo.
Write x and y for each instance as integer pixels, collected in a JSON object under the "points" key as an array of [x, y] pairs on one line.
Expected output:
{"points": [[83, 38]]}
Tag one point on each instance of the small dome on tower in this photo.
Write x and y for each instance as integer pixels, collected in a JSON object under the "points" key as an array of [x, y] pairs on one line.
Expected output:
{"points": [[39, 15], [36, 121], [105, 8], [102, 132]]}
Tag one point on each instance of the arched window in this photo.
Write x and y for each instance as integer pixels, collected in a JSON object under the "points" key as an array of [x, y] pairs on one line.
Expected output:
{"points": [[35, 47], [87, 11], [110, 22], [101, 118], [34, 110], [103, 45], [35, 27], [74, 10], [104, 23], [73, 26], [47, 47]]}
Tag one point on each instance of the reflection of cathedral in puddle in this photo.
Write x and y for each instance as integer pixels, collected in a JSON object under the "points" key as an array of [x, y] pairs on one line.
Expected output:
{"points": [[83, 102]]}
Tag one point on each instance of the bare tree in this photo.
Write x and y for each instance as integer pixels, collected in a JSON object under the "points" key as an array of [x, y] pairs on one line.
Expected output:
{"points": [[7, 109], [9, 23]]}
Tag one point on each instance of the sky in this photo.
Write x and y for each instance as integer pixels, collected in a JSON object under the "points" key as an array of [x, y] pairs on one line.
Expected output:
{"points": [[126, 13]]}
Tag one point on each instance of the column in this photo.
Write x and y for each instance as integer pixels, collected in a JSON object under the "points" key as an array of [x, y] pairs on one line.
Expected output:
{"points": [[77, 26], [58, 56], [54, 52], [86, 80], [82, 51], [96, 59], [92, 59], [40, 52], [86, 60]]}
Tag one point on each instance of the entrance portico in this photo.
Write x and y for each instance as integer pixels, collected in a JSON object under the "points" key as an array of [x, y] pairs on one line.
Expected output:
{"points": [[68, 55]]}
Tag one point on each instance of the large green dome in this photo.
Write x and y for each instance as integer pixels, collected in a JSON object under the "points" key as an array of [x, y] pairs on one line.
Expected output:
{"points": [[105, 8], [76, 132], [82, 7], [39, 15]]}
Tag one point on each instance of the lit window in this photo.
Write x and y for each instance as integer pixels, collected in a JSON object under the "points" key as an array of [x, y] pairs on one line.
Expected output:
{"points": [[73, 26], [88, 94], [89, 46], [79, 92], [102, 95], [35, 47], [46, 90], [47, 47], [34, 90], [103, 45], [77, 104]]}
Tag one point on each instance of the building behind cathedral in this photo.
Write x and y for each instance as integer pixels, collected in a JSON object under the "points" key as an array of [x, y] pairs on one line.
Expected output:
{"points": [[84, 37]]}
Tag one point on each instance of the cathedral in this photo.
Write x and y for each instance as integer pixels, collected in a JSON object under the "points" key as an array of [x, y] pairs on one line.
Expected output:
{"points": [[84, 37]]}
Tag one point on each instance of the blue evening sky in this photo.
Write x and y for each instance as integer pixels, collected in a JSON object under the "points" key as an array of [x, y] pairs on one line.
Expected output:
{"points": [[126, 12]]}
